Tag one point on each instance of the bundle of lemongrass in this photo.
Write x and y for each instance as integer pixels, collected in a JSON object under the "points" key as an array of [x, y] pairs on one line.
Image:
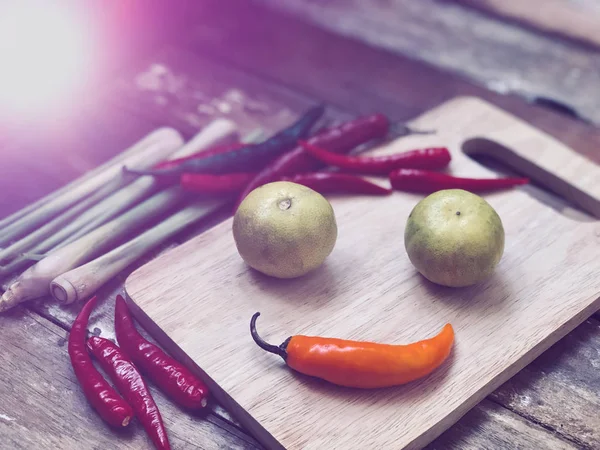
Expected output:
{"points": [[79, 223]]}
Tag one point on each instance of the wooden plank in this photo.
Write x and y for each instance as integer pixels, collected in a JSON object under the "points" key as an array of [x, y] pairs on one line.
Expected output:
{"points": [[177, 87], [361, 77], [485, 355], [572, 19], [43, 406], [560, 388], [498, 55], [490, 426]]}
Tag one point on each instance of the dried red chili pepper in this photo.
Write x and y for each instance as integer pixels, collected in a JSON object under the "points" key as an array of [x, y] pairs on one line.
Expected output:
{"points": [[428, 158], [340, 139], [426, 182], [247, 157], [167, 373], [361, 364], [231, 183], [217, 150], [130, 383], [325, 182], [103, 397]]}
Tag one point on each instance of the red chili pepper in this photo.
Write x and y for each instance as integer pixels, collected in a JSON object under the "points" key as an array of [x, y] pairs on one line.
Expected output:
{"points": [[247, 157], [428, 158], [231, 183], [324, 182], [424, 181], [340, 139], [167, 373], [103, 397], [199, 155], [130, 383]]}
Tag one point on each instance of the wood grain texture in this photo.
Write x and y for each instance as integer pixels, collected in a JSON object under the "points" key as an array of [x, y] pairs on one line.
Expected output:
{"points": [[486, 353], [176, 86], [560, 388], [490, 426], [357, 76], [573, 19], [43, 406], [493, 53]]}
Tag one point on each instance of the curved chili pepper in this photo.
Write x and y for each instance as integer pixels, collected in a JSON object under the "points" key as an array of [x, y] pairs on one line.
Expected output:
{"points": [[130, 383], [340, 139], [324, 182], [110, 406], [425, 181], [167, 373], [217, 150], [248, 157], [428, 158], [231, 183], [361, 364]]}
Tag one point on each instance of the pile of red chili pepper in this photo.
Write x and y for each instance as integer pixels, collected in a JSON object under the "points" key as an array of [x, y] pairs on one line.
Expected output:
{"points": [[294, 155], [127, 364]]}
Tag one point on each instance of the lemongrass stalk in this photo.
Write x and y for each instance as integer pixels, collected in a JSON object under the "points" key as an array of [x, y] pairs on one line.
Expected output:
{"points": [[16, 264], [17, 215], [34, 256], [57, 223], [255, 136], [137, 147], [82, 282], [101, 213], [156, 150], [217, 132], [35, 281]]}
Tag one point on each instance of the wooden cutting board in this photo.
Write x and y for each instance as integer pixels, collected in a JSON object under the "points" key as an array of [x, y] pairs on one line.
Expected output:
{"points": [[576, 19], [197, 300]]}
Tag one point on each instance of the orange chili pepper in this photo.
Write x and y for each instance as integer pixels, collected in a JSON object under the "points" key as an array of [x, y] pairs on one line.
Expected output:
{"points": [[361, 364]]}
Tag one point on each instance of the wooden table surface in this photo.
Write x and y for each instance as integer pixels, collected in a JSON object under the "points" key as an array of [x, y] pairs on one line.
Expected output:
{"points": [[261, 63]]}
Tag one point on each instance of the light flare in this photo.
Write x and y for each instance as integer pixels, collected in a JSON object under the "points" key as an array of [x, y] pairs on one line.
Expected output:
{"points": [[45, 51]]}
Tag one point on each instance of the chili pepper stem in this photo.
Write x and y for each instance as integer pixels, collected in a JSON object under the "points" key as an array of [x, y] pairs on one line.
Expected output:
{"points": [[277, 350]]}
